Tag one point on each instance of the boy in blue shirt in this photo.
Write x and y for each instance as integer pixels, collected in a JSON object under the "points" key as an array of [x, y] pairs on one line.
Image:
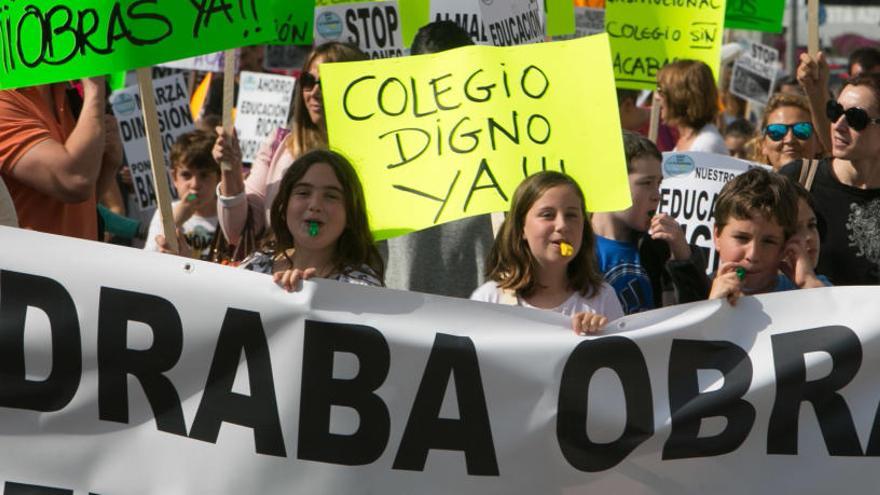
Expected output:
{"points": [[640, 252]]}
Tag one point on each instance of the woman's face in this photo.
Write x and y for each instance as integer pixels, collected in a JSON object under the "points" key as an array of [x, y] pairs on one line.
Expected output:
{"points": [[313, 97], [790, 147]]}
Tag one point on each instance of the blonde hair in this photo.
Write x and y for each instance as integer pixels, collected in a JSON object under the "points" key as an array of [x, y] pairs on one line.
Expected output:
{"points": [[777, 101]]}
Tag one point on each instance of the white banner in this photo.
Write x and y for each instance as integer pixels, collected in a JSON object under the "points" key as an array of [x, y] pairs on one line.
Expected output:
{"points": [[514, 22], [175, 118], [465, 13], [263, 106], [375, 27], [175, 376], [690, 187]]}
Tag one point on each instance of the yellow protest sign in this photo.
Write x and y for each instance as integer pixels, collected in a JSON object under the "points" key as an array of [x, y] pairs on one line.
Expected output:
{"points": [[444, 136], [646, 35]]}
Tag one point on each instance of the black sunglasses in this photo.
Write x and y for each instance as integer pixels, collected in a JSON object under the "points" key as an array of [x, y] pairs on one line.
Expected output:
{"points": [[801, 130], [856, 117], [308, 81]]}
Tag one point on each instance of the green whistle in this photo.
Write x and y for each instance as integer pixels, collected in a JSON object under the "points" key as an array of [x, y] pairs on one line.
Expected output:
{"points": [[313, 229], [740, 272], [191, 197]]}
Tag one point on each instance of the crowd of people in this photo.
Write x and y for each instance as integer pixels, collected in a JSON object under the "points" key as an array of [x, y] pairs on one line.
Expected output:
{"points": [[810, 219]]}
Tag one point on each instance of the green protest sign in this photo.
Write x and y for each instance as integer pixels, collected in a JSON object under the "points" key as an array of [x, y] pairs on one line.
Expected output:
{"points": [[294, 22], [755, 15], [60, 40], [560, 17]]}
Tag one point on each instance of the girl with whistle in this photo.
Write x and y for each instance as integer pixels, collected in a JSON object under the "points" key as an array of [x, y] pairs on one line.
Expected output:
{"points": [[543, 256]]}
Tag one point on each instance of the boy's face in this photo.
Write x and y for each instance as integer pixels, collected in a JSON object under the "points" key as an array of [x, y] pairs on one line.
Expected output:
{"points": [[199, 181], [644, 186], [755, 244]]}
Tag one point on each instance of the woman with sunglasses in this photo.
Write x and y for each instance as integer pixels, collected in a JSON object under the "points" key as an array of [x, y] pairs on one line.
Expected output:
{"points": [[787, 133], [238, 198], [846, 188]]}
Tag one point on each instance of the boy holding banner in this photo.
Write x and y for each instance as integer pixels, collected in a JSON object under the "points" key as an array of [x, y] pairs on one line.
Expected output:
{"points": [[53, 163], [641, 251]]}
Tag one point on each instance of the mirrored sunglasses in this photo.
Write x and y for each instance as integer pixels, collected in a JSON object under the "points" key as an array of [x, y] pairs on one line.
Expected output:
{"points": [[777, 132]]}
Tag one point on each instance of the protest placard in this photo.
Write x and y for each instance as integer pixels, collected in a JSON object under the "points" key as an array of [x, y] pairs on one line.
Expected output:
{"points": [[172, 106], [375, 27], [452, 134], [560, 17], [209, 62], [690, 187], [754, 73], [263, 106], [465, 13], [588, 21], [514, 22], [57, 41], [293, 22], [755, 15], [645, 36], [178, 376]]}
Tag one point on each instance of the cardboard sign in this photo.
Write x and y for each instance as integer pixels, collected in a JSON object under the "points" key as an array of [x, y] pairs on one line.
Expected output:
{"points": [[754, 73], [646, 36], [59, 41], [172, 105], [449, 135], [465, 13], [690, 187], [263, 106], [514, 22], [375, 27], [755, 15]]}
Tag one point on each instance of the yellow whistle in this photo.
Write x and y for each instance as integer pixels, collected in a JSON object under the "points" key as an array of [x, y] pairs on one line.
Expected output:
{"points": [[566, 249]]}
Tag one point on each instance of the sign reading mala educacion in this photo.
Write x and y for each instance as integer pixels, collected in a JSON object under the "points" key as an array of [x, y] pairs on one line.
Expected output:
{"points": [[514, 22], [645, 36], [465, 13], [444, 136], [57, 41]]}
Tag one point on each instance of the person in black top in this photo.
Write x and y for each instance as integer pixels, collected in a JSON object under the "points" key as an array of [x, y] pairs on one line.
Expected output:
{"points": [[846, 188]]}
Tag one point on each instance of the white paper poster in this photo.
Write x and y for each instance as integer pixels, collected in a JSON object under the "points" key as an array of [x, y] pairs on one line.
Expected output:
{"points": [[263, 106], [375, 27], [465, 13], [754, 73], [514, 22]]}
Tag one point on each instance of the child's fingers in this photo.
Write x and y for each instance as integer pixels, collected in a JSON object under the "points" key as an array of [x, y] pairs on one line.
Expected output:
{"points": [[586, 323]]}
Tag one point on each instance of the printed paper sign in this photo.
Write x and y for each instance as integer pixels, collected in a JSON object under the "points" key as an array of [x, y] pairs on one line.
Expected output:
{"points": [[755, 15], [209, 62], [59, 40], [646, 36], [375, 27], [690, 187], [754, 73], [514, 22], [172, 106], [263, 106], [449, 135], [465, 13], [133, 373]]}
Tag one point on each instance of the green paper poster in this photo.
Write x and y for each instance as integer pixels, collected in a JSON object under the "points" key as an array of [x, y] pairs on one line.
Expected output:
{"points": [[560, 17], [59, 41], [294, 22], [755, 15]]}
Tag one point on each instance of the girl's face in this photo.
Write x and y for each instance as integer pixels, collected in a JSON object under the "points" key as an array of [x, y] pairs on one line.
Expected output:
{"points": [[808, 229], [317, 197], [557, 216], [790, 147], [312, 95], [755, 244]]}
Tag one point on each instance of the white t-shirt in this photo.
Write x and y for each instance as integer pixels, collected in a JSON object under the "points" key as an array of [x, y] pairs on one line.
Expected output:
{"points": [[605, 302], [198, 230], [709, 140]]}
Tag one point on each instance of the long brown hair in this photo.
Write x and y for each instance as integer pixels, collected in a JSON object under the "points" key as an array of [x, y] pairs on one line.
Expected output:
{"points": [[355, 248], [305, 135], [690, 91], [511, 263]]}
